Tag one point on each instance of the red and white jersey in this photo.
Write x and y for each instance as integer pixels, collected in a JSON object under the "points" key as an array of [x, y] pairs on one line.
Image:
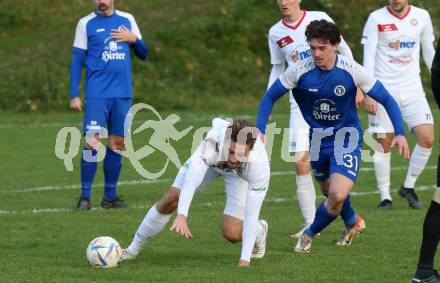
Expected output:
{"points": [[392, 45], [288, 43]]}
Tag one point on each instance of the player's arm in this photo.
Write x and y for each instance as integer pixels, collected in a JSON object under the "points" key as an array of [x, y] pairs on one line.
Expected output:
{"points": [[258, 186], [133, 37], [194, 177], [79, 53], [375, 89], [370, 41], [426, 43], [435, 75], [276, 59], [286, 82]]}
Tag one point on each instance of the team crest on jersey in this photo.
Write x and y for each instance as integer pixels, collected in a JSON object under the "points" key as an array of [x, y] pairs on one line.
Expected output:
{"points": [[325, 110], [414, 22], [339, 90], [284, 41], [387, 27]]}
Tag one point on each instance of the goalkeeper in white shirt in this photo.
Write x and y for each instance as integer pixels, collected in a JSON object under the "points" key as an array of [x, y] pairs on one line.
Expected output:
{"points": [[231, 150]]}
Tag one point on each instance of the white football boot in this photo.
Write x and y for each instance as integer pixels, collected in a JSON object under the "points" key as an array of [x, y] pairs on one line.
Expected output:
{"points": [[260, 246]]}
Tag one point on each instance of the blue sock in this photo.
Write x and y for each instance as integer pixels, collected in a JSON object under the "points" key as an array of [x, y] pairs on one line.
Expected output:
{"points": [[88, 171], [112, 168], [347, 213], [322, 219]]}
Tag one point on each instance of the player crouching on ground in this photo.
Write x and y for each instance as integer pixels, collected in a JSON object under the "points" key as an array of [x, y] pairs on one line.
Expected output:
{"points": [[231, 150], [324, 86]]}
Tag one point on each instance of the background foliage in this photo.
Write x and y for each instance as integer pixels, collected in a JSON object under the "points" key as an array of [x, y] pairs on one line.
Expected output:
{"points": [[203, 53]]}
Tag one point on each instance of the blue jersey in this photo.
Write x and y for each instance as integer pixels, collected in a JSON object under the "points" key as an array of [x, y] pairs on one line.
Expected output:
{"points": [[326, 98], [108, 66]]}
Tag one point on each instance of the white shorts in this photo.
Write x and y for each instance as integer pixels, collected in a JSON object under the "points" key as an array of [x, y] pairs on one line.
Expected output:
{"points": [[298, 129], [236, 188], [413, 105]]}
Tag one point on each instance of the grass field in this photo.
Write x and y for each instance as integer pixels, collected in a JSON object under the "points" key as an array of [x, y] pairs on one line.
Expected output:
{"points": [[43, 240]]}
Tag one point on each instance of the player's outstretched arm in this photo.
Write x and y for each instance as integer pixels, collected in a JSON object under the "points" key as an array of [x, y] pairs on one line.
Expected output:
{"points": [[275, 92]]}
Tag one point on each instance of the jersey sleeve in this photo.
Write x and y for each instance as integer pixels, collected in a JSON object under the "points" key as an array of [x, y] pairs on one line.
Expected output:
{"points": [[289, 78], [134, 27], [426, 42], [197, 169], [80, 36], [370, 40], [276, 57], [363, 78], [428, 31], [258, 186]]}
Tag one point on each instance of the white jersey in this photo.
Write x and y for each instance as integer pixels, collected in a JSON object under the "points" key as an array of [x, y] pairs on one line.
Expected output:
{"points": [[256, 171], [392, 45], [288, 43]]}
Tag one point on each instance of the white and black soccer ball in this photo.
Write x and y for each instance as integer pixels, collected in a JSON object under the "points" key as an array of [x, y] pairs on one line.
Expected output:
{"points": [[104, 252]]}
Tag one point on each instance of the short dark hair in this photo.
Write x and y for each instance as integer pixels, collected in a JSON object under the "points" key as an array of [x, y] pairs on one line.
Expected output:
{"points": [[323, 30], [250, 131]]}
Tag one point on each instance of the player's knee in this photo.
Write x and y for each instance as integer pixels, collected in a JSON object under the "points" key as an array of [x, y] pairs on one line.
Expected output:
{"points": [[92, 141], [231, 234], [335, 201], [116, 144], [427, 141], [302, 166]]}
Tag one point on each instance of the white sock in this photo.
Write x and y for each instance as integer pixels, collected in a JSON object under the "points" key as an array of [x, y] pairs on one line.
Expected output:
{"points": [[259, 231], [382, 165], [152, 224], [305, 191], [417, 163]]}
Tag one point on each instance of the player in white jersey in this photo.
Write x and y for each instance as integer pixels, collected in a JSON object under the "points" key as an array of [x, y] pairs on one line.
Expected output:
{"points": [[287, 43], [231, 150], [393, 37]]}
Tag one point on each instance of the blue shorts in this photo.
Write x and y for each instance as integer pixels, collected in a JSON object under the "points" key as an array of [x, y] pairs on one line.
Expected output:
{"points": [[327, 164], [108, 113]]}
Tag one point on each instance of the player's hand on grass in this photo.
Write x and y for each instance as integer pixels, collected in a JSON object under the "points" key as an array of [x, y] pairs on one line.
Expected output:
{"points": [[76, 104], [180, 226], [244, 263], [359, 98], [403, 145], [123, 35], [370, 105]]}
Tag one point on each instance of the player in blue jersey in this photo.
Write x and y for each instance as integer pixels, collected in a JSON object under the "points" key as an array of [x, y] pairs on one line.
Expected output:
{"points": [[102, 43], [324, 87]]}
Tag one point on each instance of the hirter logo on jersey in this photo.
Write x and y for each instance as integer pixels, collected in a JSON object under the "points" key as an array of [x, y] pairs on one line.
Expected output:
{"points": [[284, 41], [387, 27]]}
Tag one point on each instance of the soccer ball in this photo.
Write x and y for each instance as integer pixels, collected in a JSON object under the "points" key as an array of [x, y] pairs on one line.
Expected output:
{"points": [[104, 252]]}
